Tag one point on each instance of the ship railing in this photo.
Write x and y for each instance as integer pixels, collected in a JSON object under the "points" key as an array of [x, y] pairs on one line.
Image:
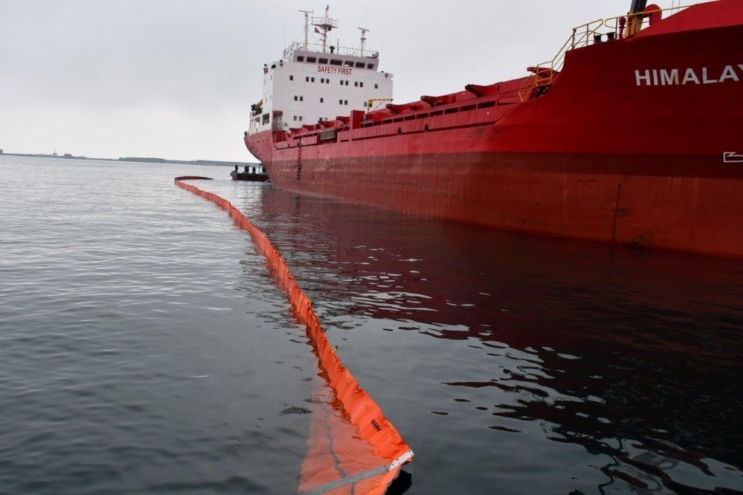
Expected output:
{"points": [[616, 28], [582, 36], [325, 21], [623, 26], [318, 48], [545, 72]]}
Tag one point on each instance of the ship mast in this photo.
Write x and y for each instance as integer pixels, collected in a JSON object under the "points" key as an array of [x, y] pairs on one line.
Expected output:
{"points": [[325, 24], [307, 27], [363, 39]]}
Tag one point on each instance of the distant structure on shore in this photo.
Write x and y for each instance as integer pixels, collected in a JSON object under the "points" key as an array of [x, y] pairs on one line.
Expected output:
{"points": [[137, 159], [142, 159], [186, 162]]}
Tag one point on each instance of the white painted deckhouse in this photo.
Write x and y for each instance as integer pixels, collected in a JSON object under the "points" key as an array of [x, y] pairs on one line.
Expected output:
{"points": [[314, 82]]}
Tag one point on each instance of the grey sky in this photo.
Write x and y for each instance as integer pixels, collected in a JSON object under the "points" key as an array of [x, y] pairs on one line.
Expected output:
{"points": [[175, 78]]}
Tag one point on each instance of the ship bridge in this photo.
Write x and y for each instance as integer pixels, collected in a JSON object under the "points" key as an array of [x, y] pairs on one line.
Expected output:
{"points": [[315, 82]]}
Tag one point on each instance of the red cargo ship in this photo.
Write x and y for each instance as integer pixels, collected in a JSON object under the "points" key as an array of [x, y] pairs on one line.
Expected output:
{"points": [[632, 134]]}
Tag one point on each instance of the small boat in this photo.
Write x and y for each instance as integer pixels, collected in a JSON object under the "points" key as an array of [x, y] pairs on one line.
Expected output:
{"points": [[252, 174]]}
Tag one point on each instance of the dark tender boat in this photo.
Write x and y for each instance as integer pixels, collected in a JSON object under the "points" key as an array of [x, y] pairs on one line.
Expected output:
{"points": [[251, 174]]}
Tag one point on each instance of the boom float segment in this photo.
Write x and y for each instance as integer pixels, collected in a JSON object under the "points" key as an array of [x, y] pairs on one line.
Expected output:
{"points": [[369, 454]]}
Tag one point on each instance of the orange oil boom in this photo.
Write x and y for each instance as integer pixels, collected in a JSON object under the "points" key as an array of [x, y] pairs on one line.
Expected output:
{"points": [[353, 448]]}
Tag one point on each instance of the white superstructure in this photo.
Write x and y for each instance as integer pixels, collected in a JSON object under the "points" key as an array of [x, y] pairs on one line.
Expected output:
{"points": [[314, 82]]}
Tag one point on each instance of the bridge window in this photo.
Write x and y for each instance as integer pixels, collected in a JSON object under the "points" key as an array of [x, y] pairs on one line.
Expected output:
{"points": [[359, 65], [300, 58], [361, 84], [348, 63], [335, 62], [312, 60], [369, 66], [323, 61], [356, 84]]}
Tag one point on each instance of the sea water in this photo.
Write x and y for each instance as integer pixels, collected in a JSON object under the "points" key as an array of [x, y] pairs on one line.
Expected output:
{"points": [[144, 347]]}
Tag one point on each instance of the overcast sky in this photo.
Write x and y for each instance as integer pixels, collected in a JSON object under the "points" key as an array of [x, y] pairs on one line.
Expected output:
{"points": [[175, 78]]}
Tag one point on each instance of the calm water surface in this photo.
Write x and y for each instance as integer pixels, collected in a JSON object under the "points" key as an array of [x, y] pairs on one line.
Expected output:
{"points": [[145, 348]]}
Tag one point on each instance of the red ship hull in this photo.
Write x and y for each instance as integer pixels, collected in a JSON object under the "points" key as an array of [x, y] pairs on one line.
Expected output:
{"points": [[621, 149]]}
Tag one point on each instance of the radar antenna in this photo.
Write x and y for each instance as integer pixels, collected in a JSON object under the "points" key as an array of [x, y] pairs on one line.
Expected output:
{"points": [[363, 39]]}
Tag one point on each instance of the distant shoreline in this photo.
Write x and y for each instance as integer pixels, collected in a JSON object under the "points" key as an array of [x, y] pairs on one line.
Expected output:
{"points": [[135, 159]]}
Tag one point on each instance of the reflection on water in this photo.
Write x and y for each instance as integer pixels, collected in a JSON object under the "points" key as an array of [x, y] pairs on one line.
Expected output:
{"points": [[145, 348], [524, 363]]}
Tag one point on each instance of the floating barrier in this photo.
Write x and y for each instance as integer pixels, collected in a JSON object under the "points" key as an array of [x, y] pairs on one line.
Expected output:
{"points": [[353, 448]]}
